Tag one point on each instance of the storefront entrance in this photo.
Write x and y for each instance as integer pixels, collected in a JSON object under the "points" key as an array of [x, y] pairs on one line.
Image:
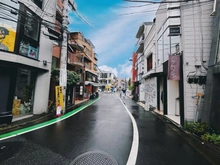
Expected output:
{"points": [[7, 84], [24, 92]]}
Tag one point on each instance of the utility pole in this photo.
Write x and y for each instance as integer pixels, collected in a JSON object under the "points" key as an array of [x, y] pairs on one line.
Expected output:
{"points": [[63, 55]]}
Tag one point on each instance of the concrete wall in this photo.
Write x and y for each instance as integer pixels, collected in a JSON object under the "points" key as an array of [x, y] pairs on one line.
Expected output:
{"points": [[42, 85], [196, 27]]}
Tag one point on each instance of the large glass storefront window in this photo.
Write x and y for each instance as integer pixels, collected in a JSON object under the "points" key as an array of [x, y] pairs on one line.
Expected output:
{"points": [[24, 92]]}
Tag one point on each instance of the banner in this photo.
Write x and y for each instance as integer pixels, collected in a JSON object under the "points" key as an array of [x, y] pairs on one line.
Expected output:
{"points": [[174, 67], [59, 100]]}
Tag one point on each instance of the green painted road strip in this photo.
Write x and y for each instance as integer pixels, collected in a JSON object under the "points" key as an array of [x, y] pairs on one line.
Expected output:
{"points": [[47, 123]]}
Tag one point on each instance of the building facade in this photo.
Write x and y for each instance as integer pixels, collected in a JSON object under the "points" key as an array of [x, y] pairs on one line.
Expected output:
{"points": [[25, 57], [182, 37], [107, 80], [83, 60]]}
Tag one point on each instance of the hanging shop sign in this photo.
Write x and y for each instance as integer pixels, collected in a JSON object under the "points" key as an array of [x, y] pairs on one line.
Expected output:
{"points": [[59, 101], [174, 67]]}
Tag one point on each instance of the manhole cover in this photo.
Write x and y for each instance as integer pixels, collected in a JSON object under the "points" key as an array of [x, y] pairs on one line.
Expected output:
{"points": [[94, 158]]}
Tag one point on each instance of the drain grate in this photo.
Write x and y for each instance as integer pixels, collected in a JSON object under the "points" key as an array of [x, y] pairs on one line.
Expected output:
{"points": [[94, 158]]}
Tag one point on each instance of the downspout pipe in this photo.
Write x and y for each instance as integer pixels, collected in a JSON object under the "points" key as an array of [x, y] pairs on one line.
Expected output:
{"points": [[214, 9]]}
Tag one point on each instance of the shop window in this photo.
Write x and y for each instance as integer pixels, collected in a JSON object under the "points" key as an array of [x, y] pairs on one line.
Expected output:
{"points": [[23, 99]]}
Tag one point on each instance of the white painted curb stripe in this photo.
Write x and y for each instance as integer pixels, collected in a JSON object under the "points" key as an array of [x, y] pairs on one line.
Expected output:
{"points": [[135, 143]]}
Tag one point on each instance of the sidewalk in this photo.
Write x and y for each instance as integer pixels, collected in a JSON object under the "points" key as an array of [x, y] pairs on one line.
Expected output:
{"points": [[29, 120]]}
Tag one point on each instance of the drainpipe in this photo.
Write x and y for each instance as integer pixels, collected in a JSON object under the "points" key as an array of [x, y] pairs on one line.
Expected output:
{"points": [[181, 92], [214, 9]]}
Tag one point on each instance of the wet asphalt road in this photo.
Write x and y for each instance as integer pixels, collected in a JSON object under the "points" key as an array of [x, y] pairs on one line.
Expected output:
{"points": [[105, 127]]}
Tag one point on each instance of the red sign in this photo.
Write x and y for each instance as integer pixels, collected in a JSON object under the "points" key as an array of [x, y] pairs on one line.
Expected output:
{"points": [[174, 67]]}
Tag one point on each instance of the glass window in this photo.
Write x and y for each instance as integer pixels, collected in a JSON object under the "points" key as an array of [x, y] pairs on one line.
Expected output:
{"points": [[28, 40], [149, 63], [166, 44], [160, 50], [31, 26], [38, 3], [23, 99], [175, 40]]}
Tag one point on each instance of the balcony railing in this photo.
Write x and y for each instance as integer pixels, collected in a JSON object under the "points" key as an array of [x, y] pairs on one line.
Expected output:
{"points": [[74, 59]]}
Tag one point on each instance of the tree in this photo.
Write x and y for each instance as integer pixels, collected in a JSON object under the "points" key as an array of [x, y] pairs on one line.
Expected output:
{"points": [[72, 77]]}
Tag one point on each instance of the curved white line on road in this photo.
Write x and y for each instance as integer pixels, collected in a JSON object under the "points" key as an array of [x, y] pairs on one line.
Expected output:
{"points": [[134, 148]]}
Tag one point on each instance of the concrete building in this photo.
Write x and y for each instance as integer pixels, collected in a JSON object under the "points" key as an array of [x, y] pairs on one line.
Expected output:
{"points": [[25, 57], [182, 36], [107, 80], [139, 65], [83, 61]]}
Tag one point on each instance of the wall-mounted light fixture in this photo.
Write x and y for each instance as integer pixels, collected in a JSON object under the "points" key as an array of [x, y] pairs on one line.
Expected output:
{"points": [[45, 62]]}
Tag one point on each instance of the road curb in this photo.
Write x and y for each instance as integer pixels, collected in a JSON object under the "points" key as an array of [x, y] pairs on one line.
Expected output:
{"points": [[209, 153]]}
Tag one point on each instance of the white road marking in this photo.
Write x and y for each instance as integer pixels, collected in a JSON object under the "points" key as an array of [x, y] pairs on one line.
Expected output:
{"points": [[135, 143]]}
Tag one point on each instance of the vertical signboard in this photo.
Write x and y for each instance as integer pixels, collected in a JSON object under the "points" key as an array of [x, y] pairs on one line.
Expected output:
{"points": [[8, 25], [174, 67], [59, 101]]}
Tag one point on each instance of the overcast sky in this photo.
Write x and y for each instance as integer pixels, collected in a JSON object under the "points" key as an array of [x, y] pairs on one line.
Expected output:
{"points": [[111, 25]]}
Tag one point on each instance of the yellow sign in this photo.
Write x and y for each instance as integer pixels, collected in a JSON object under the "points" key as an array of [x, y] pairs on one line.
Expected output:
{"points": [[7, 38], [59, 97]]}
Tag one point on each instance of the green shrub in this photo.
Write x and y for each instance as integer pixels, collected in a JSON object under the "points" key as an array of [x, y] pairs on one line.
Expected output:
{"points": [[197, 128], [212, 138]]}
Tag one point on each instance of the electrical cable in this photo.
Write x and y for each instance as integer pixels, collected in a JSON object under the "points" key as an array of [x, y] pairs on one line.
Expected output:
{"points": [[84, 20], [161, 11], [157, 2]]}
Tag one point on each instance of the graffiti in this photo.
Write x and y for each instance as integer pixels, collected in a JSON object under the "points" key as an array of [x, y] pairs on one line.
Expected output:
{"points": [[150, 92]]}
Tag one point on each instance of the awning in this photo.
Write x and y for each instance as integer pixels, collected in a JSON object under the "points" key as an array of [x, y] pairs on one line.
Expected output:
{"points": [[93, 83], [153, 75], [97, 84]]}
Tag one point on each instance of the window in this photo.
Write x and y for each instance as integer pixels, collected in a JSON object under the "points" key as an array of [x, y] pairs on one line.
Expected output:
{"points": [[160, 51], [38, 3], [218, 53], [28, 39], [174, 41], [166, 45], [149, 62]]}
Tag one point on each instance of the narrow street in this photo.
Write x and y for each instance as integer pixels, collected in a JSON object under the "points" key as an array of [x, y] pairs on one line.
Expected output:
{"points": [[104, 128]]}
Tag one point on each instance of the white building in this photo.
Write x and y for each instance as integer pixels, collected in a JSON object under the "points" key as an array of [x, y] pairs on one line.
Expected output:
{"points": [[25, 56], [139, 66], [182, 30], [107, 80]]}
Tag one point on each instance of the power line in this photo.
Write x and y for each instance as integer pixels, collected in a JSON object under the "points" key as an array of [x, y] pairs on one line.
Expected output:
{"points": [[157, 2], [84, 20], [160, 11]]}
